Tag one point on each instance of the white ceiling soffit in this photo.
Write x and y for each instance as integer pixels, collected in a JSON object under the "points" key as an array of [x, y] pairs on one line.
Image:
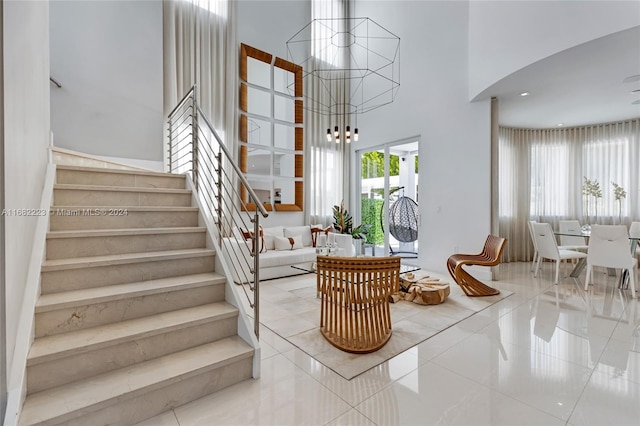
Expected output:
{"points": [[579, 86]]}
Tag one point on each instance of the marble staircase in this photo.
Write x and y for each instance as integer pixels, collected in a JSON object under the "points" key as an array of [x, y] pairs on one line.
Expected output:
{"points": [[132, 319]]}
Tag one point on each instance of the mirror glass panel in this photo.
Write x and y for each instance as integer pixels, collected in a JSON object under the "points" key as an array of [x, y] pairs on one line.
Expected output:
{"points": [[259, 102], [258, 161], [284, 109], [284, 164], [259, 73], [284, 191], [258, 132], [262, 188], [284, 136], [283, 81]]}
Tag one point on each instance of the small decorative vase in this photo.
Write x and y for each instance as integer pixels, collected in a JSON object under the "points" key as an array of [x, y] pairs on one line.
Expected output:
{"points": [[586, 228]]}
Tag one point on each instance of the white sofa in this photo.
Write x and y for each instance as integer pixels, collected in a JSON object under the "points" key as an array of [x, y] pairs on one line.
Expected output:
{"points": [[274, 262]]}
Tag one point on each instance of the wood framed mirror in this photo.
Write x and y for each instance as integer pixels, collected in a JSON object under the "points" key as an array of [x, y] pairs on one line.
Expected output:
{"points": [[271, 130]]}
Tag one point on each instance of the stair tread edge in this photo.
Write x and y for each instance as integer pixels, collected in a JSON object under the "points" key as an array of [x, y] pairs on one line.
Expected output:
{"points": [[46, 404], [57, 346], [65, 299]]}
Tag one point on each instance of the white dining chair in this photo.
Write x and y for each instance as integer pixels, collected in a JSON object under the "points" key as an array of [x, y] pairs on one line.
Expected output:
{"points": [[569, 242], [535, 244], [634, 232], [548, 248], [609, 248]]}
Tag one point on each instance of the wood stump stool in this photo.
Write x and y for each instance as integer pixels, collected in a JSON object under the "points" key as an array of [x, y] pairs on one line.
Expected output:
{"points": [[424, 291]]}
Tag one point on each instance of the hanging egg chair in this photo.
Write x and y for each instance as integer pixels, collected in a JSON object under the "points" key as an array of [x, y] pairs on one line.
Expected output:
{"points": [[403, 220]]}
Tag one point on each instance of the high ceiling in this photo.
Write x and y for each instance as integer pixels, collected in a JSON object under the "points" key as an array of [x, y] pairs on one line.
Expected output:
{"points": [[579, 86]]}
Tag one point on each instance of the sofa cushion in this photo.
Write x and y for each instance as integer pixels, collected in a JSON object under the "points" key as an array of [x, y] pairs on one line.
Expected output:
{"points": [[304, 231], [270, 233], [288, 243], [275, 258]]}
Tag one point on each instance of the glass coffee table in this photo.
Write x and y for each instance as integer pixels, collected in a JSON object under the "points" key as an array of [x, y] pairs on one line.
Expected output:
{"points": [[311, 267]]}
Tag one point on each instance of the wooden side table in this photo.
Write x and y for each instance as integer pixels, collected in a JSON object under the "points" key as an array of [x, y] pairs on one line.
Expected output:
{"points": [[354, 309]]}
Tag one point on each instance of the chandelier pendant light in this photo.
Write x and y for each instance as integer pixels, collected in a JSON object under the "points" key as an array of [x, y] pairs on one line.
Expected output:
{"points": [[347, 134], [353, 66]]}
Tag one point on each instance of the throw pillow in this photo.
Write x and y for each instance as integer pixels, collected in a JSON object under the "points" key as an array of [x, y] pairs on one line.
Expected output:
{"points": [[288, 243], [269, 234], [302, 231]]}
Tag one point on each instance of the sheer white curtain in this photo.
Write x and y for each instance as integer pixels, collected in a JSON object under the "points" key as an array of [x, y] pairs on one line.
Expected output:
{"points": [[328, 162], [542, 173], [200, 48]]}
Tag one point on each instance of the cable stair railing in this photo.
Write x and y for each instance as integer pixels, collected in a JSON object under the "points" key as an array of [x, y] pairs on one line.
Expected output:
{"points": [[195, 148]]}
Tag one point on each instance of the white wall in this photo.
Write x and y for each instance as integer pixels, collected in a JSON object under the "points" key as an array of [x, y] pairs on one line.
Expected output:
{"points": [[454, 163], [505, 36], [267, 25], [108, 57], [27, 127], [3, 320]]}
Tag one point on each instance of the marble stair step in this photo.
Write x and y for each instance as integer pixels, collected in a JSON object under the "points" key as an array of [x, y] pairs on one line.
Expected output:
{"points": [[119, 259], [68, 311], [65, 244], [68, 299], [111, 177], [111, 196], [68, 357], [96, 271], [142, 390], [64, 218], [49, 348]]}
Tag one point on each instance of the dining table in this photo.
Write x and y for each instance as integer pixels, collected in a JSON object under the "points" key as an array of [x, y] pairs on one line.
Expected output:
{"points": [[577, 270]]}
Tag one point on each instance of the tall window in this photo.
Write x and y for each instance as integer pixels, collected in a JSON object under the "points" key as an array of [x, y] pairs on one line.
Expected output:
{"points": [[328, 163], [330, 14], [607, 161], [550, 169], [542, 173], [217, 7]]}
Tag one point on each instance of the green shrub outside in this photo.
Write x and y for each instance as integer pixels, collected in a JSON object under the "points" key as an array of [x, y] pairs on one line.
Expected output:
{"points": [[371, 214]]}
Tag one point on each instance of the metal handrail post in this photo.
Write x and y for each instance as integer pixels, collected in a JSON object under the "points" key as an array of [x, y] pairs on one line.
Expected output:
{"points": [[169, 147], [256, 273], [219, 195], [194, 132]]}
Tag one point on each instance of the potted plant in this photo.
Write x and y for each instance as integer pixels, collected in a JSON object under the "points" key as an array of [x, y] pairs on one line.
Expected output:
{"points": [[343, 224]]}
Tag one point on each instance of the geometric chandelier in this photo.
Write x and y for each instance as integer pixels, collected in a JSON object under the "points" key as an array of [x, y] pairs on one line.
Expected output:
{"points": [[353, 64]]}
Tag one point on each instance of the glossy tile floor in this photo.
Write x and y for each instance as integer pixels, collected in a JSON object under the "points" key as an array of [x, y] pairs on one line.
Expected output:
{"points": [[547, 355]]}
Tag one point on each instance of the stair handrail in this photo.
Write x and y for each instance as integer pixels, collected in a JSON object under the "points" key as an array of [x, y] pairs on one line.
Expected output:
{"points": [[192, 152]]}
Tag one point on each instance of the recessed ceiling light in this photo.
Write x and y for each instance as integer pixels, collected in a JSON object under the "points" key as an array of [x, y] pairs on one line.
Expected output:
{"points": [[524, 94], [632, 78], [560, 124]]}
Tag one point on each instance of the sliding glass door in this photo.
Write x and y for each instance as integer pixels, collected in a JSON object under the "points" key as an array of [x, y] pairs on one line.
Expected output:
{"points": [[388, 195]]}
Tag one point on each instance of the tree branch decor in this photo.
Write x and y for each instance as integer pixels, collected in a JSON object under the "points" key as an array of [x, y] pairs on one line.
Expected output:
{"points": [[591, 188], [619, 194]]}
